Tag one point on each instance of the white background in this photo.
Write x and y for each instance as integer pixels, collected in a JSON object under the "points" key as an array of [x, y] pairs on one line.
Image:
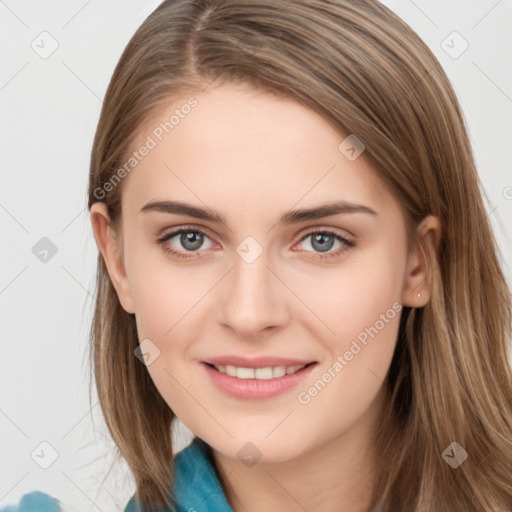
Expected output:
{"points": [[50, 108]]}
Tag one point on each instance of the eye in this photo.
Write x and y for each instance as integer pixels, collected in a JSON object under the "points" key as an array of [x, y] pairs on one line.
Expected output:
{"points": [[190, 239], [324, 240]]}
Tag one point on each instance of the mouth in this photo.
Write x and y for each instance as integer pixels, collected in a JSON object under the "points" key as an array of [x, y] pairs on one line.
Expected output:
{"points": [[249, 383], [266, 373]]}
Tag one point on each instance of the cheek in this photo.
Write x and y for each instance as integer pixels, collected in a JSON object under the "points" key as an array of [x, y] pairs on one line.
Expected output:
{"points": [[164, 292], [362, 309], [167, 308], [353, 295]]}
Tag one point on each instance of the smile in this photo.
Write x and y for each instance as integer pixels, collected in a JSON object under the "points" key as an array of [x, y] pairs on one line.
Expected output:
{"points": [[248, 383], [258, 373]]}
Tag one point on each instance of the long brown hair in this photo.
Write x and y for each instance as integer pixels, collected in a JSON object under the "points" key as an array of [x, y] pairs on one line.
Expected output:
{"points": [[368, 73]]}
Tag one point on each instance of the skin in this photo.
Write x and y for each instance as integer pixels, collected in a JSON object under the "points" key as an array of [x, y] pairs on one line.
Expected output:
{"points": [[251, 157]]}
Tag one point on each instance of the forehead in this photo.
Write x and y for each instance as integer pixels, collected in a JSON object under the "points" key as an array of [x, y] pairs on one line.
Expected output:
{"points": [[239, 149]]}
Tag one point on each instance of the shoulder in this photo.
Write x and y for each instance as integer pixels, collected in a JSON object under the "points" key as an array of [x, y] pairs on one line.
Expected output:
{"points": [[195, 481], [35, 501], [185, 464]]}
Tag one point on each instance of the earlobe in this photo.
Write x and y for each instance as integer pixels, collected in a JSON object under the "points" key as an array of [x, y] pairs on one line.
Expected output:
{"points": [[420, 262], [112, 254]]}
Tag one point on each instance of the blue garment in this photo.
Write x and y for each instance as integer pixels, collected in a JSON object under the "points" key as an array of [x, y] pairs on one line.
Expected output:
{"points": [[34, 502], [196, 484]]}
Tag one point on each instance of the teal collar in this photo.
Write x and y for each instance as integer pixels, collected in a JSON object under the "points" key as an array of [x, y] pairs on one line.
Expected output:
{"points": [[196, 484]]}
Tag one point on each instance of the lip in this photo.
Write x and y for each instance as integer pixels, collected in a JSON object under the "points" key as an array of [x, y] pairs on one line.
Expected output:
{"points": [[257, 389], [257, 362]]}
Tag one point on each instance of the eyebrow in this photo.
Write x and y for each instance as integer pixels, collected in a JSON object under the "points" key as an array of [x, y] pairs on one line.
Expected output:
{"points": [[287, 218]]}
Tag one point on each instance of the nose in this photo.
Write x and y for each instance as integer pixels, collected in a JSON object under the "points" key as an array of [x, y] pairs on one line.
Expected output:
{"points": [[253, 300]]}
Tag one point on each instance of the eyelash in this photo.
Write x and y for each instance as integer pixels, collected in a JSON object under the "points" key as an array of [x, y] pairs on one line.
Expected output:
{"points": [[347, 244]]}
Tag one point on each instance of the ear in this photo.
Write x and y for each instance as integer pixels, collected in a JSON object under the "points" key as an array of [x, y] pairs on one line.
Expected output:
{"points": [[420, 262], [111, 251]]}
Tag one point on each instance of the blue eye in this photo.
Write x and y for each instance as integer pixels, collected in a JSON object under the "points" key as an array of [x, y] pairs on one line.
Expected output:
{"points": [[192, 240], [323, 241]]}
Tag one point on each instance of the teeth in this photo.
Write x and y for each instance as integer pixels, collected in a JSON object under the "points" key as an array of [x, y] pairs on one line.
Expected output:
{"points": [[263, 373], [245, 373], [258, 373], [278, 371], [293, 369]]}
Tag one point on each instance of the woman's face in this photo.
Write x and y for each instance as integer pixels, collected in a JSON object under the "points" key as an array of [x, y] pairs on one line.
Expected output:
{"points": [[261, 283]]}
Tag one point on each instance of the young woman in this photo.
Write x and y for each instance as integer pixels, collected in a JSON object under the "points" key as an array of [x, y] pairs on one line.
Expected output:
{"points": [[296, 261], [293, 238]]}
